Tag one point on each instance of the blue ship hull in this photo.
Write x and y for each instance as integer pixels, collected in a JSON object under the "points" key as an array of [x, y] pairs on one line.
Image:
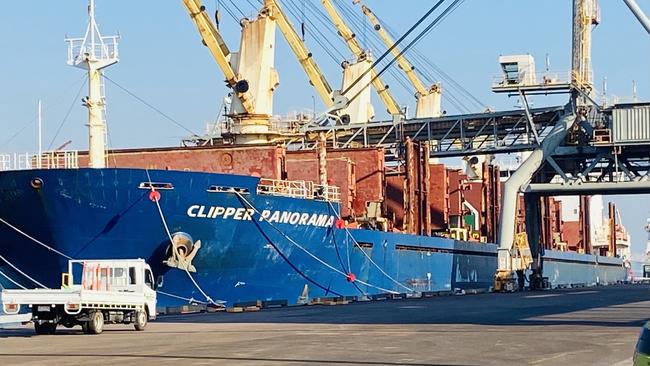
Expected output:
{"points": [[105, 213]]}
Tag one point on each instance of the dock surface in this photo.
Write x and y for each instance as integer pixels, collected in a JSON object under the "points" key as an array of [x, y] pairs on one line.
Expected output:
{"points": [[587, 326]]}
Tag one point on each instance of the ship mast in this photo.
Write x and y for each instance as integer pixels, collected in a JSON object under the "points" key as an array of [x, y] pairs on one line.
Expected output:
{"points": [[93, 53]]}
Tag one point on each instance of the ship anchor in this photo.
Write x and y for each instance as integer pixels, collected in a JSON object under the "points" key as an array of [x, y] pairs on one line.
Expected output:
{"points": [[182, 252]]}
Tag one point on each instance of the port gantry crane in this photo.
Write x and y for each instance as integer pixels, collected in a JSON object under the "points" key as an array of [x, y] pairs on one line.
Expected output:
{"points": [[427, 99], [361, 55], [356, 111]]}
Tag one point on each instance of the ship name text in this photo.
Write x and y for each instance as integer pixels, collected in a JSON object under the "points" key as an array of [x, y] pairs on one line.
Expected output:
{"points": [[272, 216]]}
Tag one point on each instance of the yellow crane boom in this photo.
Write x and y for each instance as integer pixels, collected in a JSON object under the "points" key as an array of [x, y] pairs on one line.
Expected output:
{"points": [[401, 60], [349, 37], [305, 58], [428, 99], [220, 52]]}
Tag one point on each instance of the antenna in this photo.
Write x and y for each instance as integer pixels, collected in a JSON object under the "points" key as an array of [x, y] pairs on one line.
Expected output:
{"points": [[635, 98], [93, 53], [605, 91], [39, 162], [548, 62]]}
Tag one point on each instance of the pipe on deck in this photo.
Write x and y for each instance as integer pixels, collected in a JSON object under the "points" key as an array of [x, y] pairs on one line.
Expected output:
{"points": [[524, 174], [639, 14]]}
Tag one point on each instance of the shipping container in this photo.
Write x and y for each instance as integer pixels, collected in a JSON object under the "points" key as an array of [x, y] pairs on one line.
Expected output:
{"points": [[631, 124]]}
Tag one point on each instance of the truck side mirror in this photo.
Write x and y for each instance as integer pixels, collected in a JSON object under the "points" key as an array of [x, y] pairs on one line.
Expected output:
{"points": [[159, 281]]}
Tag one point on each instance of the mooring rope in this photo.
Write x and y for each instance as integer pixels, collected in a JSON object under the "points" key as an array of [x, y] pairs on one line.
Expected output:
{"points": [[50, 248], [349, 235], [156, 199], [35, 240], [308, 252], [21, 272], [188, 299], [12, 281]]}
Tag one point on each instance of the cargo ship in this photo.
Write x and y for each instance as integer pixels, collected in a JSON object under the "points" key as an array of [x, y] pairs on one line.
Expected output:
{"points": [[246, 216]]}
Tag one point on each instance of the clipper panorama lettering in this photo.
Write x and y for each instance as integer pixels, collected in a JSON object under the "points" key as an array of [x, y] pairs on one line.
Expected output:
{"points": [[272, 216]]}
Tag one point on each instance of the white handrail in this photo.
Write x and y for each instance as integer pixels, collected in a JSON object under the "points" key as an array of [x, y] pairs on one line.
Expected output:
{"points": [[49, 160], [298, 189]]}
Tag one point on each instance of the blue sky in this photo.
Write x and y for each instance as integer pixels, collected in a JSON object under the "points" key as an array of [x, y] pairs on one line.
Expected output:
{"points": [[164, 63]]}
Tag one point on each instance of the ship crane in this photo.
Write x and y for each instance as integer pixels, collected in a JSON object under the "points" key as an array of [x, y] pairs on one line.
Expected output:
{"points": [[219, 50], [249, 73], [361, 55], [428, 100], [357, 111], [316, 77]]}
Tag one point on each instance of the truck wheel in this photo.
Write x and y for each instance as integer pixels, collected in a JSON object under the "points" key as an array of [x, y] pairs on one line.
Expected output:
{"points": [[140, 321], [45, 328], [96, 322]]}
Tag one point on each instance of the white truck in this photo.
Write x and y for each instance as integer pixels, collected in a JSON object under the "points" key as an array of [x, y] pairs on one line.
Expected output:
{"points": [[109, 291]]}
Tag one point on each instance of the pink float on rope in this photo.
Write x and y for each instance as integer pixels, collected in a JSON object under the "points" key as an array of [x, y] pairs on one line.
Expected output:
{"points": [[154, 196], [351, 277], [340, 224]]}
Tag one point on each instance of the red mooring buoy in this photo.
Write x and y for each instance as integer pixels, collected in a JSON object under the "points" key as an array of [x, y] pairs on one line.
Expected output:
{"points": [[154, 196], [351, 277]]}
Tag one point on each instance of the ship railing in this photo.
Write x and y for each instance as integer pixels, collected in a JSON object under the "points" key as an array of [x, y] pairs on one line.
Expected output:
{"points": [[287, 188], [289, 123], [327, 192], [298, 189], [79, 49], [15, 161], [48, 160], [540, 79], [58, 160]]}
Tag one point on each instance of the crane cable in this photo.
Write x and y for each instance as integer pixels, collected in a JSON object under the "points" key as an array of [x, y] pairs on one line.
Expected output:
{"points": [[318, 36], [56, 101], [67, 114], [248, 203], [151, 106], [423, 64], [387, 52], [408, 46]]}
